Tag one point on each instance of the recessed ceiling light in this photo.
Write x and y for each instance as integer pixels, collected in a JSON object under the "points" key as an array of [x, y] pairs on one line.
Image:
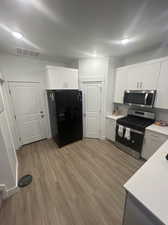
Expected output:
{"points": [[125, 41], [17, 35], [94, 54]]}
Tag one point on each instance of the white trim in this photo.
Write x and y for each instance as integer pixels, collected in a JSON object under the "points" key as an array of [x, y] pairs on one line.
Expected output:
{"points": [[12, 191], [6, 193], [1, 78], [48, 67], [91, 78]]}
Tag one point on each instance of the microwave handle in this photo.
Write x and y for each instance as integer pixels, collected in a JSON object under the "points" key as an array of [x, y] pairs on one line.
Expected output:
{"points": [[146, 96]]}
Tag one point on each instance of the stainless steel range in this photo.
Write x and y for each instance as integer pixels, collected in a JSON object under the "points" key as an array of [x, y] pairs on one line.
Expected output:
{"points": [[130, 131]]}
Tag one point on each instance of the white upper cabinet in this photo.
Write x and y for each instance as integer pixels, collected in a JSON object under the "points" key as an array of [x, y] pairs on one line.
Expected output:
{"points": [[162, 88], [134, 78], [120, 84], [150, 75], [143, 76], [61, 78]]}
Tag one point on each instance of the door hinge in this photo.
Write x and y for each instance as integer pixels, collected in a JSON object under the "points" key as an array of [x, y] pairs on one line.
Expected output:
{"points": [[20, 139], [9, 91]]}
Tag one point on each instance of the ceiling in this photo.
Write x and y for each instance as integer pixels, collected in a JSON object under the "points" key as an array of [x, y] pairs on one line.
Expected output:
{"points": [[71, 29]]}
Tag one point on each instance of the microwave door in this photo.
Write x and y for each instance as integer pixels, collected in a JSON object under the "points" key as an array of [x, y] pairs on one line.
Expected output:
{"points": [[134, 98]]}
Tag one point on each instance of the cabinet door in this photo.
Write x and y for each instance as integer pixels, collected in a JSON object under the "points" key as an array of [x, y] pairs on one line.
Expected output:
{"points": [[143, 76], [162, 87], [152, 143], [120, 85], [110, 129], [134, 77], [149, 76], [137, 214]]}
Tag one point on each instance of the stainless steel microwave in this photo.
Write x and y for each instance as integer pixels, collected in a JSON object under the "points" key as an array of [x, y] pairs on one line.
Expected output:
{"points": [[144, 98]]}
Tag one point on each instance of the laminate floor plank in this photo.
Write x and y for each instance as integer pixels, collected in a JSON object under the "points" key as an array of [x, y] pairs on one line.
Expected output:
{"points": [[79, 184]]}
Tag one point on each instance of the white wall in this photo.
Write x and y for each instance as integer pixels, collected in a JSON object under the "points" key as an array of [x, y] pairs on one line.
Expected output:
{"points": [[142, 56], [24, 69], [93, 68]]}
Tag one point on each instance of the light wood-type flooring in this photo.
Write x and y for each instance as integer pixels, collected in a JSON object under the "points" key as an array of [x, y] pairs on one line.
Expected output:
{"points": [[80, 184]]}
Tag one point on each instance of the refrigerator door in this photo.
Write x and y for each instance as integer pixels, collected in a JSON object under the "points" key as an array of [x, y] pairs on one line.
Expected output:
{"points": [[52, 113], [69, 116]]}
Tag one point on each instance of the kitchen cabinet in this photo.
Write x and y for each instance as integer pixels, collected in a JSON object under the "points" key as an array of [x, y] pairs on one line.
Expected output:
{"points": [[111, 121], [120, 84], [61, 78], [143, 76], [110, 129], [152, 142], [136, 213], [162, 87]]}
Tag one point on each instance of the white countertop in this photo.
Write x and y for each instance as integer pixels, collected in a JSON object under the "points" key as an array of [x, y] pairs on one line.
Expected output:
{"points": [[158, 129], [149, 184], [114, 117]]}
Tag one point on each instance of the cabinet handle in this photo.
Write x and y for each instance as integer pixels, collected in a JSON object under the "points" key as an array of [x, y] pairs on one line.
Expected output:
{"points": [[137, 84], [141, 85]]}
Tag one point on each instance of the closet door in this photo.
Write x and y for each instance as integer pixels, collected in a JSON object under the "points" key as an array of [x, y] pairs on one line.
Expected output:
{"points": [[92, 95]]}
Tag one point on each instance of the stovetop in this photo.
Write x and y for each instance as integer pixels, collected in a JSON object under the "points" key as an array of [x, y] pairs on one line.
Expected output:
{"points": [[135, 122]]}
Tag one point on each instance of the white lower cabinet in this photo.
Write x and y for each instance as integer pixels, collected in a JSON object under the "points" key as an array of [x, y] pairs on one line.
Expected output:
{"points": [[136, 214], [110, 129], [152, 141]]}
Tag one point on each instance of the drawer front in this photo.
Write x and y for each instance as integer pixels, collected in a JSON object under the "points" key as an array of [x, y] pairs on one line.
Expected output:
{"points": [[156, 136]]}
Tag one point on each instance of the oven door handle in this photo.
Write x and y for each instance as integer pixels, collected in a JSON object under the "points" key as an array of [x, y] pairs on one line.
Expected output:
{"points": [[132, 130]]}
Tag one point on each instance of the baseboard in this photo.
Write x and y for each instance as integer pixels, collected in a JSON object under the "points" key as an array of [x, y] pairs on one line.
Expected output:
{"points": [[6, 193], [103, 138], [12, 191]]}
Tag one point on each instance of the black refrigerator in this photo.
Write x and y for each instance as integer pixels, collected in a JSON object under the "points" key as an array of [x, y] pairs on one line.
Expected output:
{"points": [[65, 109]]}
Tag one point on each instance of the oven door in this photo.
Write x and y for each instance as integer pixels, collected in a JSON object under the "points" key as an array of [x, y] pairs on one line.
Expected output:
{"points": [[136, 139], [140, 98]]}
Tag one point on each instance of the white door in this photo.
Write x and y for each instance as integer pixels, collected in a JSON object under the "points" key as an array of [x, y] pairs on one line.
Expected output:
{"points": [[29, 111], [92, 109]]}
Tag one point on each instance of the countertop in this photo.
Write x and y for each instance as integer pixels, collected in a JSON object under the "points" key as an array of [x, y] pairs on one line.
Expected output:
{"points": [[149, 184], [158, 129], [114, 117]]}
